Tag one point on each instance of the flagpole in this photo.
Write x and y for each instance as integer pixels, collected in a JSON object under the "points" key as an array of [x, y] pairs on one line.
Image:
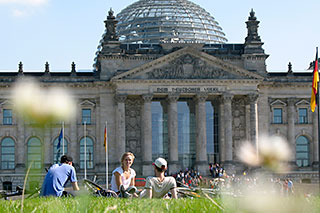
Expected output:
{"points": [[85, 152], [62, 137], [106, 151], [318, 135], [318, 94]]}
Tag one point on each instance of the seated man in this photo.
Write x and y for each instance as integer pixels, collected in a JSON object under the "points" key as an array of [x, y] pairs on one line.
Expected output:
{"points": [[159, 186], [57, 177]]}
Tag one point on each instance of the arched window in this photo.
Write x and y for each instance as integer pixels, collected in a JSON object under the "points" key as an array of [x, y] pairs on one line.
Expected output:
{"points": [[34, 153], [58, 152], [89, 152], [7, 153], [302, 151]]}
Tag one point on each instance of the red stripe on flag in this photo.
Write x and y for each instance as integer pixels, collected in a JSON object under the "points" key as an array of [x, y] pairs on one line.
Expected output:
{"points": [[315, 81], [105, 139]]}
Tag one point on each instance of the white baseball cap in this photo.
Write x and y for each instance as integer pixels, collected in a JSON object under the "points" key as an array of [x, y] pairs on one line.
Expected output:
{"points": [[160, 162]]}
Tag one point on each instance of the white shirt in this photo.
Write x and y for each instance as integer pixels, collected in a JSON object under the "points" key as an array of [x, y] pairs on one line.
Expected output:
{"points": [[125, 182], [160, 189]]}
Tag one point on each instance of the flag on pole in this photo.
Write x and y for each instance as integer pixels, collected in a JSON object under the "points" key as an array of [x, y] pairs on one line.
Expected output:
{"points": [[315, 81], [58, 156], [105, 139], [59, 139]]}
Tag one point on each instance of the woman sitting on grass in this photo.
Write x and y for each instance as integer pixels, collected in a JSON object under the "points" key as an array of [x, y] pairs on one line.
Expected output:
{"points": [[122, 181], [159, 186]]}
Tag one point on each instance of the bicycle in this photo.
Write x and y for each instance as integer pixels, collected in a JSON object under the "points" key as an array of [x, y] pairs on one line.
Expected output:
{"points": [[98, 190], [5, 195]]}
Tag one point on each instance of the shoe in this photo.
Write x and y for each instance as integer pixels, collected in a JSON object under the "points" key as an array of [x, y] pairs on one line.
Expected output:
{"points": [[127, 195], [132, 189]]}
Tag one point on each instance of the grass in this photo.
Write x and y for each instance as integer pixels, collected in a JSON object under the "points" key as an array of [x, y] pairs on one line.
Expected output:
{"points": [[99, 204], [90, 204]]}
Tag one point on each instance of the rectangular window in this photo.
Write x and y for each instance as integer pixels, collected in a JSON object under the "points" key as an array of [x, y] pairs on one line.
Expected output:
{"points": [[86, 116], [7, 117], [303, 116], [277, 116]]}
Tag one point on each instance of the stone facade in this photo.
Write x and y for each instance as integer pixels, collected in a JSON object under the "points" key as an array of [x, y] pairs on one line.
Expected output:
{"points": [[129, 77]]}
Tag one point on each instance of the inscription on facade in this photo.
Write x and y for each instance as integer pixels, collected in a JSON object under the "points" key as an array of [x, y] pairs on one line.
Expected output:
{"points": [[187, 89]]}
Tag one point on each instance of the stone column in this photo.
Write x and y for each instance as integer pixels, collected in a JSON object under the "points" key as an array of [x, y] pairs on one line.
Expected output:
{"points": [[173, 133], [146, 132], [99, 151], [228, 128], [201, 136], [253, 98], [48, 152], [74, 144], [21, 153], [120, 123], [291, 127], [222, 146]]}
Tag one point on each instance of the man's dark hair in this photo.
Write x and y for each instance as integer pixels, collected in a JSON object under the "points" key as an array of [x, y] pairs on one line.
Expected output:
{"points": [[159, 169], [66, 159]]}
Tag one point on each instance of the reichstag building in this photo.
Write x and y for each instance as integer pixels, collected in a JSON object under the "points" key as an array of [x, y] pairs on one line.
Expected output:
{"points": [[169, 84]]}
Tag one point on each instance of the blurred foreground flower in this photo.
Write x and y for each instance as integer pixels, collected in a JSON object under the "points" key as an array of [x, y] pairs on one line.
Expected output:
{"points": [[42, 106], [272, 153]]}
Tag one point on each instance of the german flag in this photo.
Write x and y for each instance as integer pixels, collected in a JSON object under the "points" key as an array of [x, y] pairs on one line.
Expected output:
{"points": [[314, 95], [105, 138]]}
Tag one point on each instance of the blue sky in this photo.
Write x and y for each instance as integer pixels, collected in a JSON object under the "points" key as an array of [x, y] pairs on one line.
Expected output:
{"points": [[63, 31]]}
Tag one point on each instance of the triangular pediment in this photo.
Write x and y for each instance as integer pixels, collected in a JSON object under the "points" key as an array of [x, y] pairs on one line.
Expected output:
{"points": [[87, 103], [303, 103], [188, 63], [278, 103], [6, 103]]}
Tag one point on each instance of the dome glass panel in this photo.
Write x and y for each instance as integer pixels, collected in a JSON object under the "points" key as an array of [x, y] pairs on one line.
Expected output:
{"points": [[168, 21]]}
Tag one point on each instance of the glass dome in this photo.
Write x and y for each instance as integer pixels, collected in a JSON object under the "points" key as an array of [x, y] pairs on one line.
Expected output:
{"points": [[168, 21]]}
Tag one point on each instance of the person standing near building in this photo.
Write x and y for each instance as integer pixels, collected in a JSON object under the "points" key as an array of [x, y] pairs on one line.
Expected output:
{"points": [[57, 177], [159, 186]]}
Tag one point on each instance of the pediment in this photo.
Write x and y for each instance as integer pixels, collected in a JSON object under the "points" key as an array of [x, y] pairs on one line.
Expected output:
{"points": [[87, 103], [303, 103], [188, 63], [278, 103], [6, 103]]}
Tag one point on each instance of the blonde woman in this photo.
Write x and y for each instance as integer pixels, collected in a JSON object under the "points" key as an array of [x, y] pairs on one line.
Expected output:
{"points": [[123, 177]]}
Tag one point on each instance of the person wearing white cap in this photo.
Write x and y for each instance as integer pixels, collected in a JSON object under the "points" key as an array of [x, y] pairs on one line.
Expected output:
{"points": [[159, 186]]}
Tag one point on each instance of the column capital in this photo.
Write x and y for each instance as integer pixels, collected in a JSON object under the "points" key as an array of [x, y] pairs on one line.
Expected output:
{"points": [[253, 97], [147, 97], [291, 101], [201, 97], [227, 97], [120, 98], [173, 97]]}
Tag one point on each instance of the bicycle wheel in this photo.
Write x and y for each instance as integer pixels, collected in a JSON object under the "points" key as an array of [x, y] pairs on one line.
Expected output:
{"points": [[98, 190]]}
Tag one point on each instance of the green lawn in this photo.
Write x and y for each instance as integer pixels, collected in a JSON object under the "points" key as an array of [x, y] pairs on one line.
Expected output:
{"points": [[98, 204]]}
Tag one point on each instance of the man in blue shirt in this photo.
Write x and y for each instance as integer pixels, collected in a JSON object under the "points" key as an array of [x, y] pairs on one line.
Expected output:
{"points": [[57, 177]]}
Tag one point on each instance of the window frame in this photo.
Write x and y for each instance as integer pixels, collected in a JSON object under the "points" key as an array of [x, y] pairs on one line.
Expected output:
{"points": [[34, 165], [274, 117], [8, 167], [6, 118], [301, 151], [86, 118], [88, 154], [305, 118]]}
